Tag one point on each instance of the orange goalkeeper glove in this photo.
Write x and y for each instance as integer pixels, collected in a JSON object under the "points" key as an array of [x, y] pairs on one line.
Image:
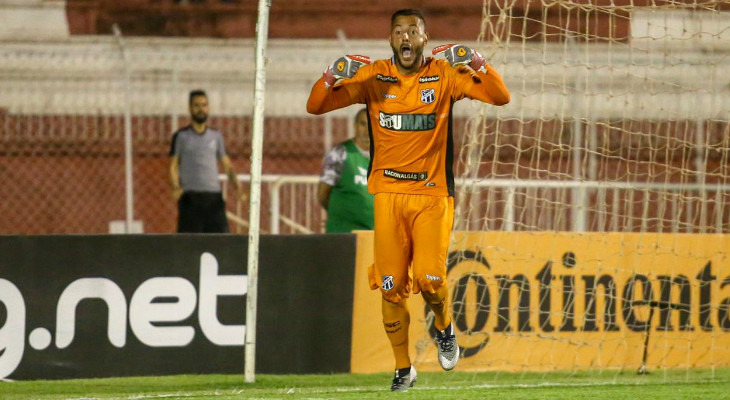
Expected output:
{"points": [[458, 54], [344, 68]]}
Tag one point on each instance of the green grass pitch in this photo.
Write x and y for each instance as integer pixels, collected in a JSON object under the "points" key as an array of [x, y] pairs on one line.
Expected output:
{"points": [[595, 385]]}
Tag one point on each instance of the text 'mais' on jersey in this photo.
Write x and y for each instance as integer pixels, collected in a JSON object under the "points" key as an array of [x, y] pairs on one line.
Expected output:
{"points": [[410, 124]]}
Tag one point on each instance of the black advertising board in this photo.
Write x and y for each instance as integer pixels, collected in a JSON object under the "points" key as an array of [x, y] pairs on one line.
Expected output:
{"points": [[99, 306]]}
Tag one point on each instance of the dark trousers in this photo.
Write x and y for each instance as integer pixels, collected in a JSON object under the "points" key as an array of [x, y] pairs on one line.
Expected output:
{"points": [[202, 212]]}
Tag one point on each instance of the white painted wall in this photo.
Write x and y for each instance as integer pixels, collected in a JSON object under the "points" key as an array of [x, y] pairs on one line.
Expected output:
{"points": [[33, 20]]}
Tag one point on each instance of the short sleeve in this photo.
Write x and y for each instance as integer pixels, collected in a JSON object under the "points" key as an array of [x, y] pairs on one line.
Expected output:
{"points": [[174, 146], [220, 151], [332, 165]]}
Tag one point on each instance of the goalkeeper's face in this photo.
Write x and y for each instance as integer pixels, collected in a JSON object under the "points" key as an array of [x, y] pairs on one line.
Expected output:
{"points": [[199, 109], [407, 39]]}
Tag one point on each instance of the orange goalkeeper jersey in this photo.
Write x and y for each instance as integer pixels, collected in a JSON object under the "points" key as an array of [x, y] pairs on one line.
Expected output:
{"points": [[410, 119]]}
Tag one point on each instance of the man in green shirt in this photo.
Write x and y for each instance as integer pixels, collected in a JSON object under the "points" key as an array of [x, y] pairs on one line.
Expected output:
{"points": [[343, 185]]}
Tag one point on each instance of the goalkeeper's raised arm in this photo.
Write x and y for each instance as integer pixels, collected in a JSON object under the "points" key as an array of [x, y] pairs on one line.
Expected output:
{"points": [[325, 96], [486, 84]]}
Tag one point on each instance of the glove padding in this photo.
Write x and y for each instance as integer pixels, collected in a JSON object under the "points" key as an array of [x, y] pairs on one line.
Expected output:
{"points": [[344, 68], [458, 54]]}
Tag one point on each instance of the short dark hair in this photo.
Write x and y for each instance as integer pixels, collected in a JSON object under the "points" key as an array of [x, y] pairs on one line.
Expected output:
{"points": [[196, 93], [406, 12]]}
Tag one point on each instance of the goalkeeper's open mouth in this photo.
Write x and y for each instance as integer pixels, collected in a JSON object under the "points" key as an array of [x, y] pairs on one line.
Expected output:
{"points": [[406, 53]]}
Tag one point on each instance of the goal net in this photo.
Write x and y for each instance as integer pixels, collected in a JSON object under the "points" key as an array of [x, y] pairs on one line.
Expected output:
{"points": [[593, 211]]}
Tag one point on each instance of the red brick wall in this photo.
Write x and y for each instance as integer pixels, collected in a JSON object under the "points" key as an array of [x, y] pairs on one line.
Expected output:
{"points": [[361, 19], [65, 174]]}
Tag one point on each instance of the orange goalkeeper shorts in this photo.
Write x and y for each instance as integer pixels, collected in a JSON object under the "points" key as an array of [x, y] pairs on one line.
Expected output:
{"points": [[412, 234]]}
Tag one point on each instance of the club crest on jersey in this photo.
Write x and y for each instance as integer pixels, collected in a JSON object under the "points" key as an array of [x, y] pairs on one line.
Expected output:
{"points": [[407, 122], [428, 79], [428, 96], [387, 282], [386, 78]]}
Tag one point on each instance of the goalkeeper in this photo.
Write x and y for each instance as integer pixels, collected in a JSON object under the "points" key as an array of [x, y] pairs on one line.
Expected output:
{"points": [[409, 99]]}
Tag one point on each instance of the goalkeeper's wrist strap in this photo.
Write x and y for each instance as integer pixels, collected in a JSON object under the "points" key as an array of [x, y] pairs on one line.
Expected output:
{"points": [[329, 77]]}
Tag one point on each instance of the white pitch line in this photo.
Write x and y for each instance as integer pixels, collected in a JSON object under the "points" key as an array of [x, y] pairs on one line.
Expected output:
{"points": [[140, 396], [305, 391]]}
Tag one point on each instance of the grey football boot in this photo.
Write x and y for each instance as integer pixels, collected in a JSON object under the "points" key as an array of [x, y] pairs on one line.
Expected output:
{"points": [[448, 348], [403, 383]]}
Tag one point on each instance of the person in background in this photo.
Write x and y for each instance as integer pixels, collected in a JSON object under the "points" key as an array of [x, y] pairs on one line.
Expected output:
{"points": [[343, 185], [197, 152]]}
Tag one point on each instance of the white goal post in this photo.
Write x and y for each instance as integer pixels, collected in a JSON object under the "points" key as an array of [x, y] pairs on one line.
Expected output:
{"points": [[262, 29]]}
